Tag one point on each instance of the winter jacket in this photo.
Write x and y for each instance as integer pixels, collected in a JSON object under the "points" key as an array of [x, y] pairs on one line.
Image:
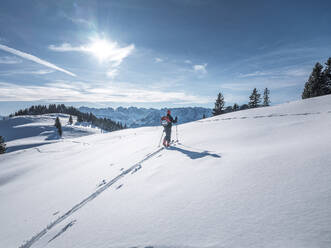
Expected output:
{"points": [[172, 120]]}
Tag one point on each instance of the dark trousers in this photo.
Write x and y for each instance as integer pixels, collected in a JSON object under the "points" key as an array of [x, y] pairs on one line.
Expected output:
{"points": [[167, 131]]}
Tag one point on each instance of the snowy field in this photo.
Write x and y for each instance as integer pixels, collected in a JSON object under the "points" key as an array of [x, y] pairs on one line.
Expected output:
{"points": [[22, 132], [253, 178]]}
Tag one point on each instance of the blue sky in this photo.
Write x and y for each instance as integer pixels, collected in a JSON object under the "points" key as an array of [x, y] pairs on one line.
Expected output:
{"points": [[157, 53]]}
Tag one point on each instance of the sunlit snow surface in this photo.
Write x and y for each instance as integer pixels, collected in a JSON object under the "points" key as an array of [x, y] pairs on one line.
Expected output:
{"points": [[22, 132], [253, 178]]}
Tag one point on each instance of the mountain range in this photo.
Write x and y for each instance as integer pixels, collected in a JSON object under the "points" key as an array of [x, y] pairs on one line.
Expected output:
{"points": [[140, 117]]}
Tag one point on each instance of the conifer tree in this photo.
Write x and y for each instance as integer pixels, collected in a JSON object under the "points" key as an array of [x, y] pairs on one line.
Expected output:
{"points": [[228, 109], [79, 118], [244, 106], [235, 107], [2, 145], [254, 99], [306, 90], [219, 105], [327, 77], [58, 126], [70, 120], [317, 81], [266, 99], [314, 86], [204, 116]]}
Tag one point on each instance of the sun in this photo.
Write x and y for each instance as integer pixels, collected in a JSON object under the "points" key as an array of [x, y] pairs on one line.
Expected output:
{"points": [[101, 48]]}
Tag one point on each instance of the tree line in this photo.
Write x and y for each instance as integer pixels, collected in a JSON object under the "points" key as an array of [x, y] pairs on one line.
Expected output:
{"points": [[103, 123], [318, 84], [254, 102]]}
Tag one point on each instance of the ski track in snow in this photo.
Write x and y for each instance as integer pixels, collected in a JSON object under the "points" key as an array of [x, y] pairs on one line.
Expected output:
{"points": [[70, 224], [133, 169], [261, 116]]}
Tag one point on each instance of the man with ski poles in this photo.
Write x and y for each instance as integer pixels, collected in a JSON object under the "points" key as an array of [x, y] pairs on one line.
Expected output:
{"points": [[166, 122]]}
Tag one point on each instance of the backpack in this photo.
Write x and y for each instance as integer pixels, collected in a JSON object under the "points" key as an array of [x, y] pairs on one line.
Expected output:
{"points": [[165, 121]]}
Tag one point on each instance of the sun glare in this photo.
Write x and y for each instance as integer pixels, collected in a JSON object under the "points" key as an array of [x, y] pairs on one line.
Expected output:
{"points": [[102, 49]]}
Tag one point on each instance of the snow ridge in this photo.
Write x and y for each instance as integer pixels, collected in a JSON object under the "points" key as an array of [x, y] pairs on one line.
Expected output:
{"points": [[262, 116]]}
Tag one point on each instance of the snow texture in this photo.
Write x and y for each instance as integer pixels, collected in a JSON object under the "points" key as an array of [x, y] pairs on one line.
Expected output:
{"points": [[253, 178]]}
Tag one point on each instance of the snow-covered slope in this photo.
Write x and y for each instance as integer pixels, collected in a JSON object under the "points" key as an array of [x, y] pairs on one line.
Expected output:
{"points": [[253, 178], [141, 117], [22, 132]]}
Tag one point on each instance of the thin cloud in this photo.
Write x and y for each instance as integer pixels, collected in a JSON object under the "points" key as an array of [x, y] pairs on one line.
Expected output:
{"points": [[254, 74], [78, 92], [260, 84], [66, 47], [34, 59], [15, 72], [278, 73], [188, 61], [82, 21], [158, 60], [41, 72], [300, 72], [200, 68], [79, 21], [9, 60]]}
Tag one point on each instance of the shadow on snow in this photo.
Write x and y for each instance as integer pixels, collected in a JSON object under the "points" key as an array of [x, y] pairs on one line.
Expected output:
{"points": [[193, 154], [25, 146]]}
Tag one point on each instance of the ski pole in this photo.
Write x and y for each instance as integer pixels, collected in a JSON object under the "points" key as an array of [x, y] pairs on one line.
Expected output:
{"points": [[176, 133], [161, 138]]}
